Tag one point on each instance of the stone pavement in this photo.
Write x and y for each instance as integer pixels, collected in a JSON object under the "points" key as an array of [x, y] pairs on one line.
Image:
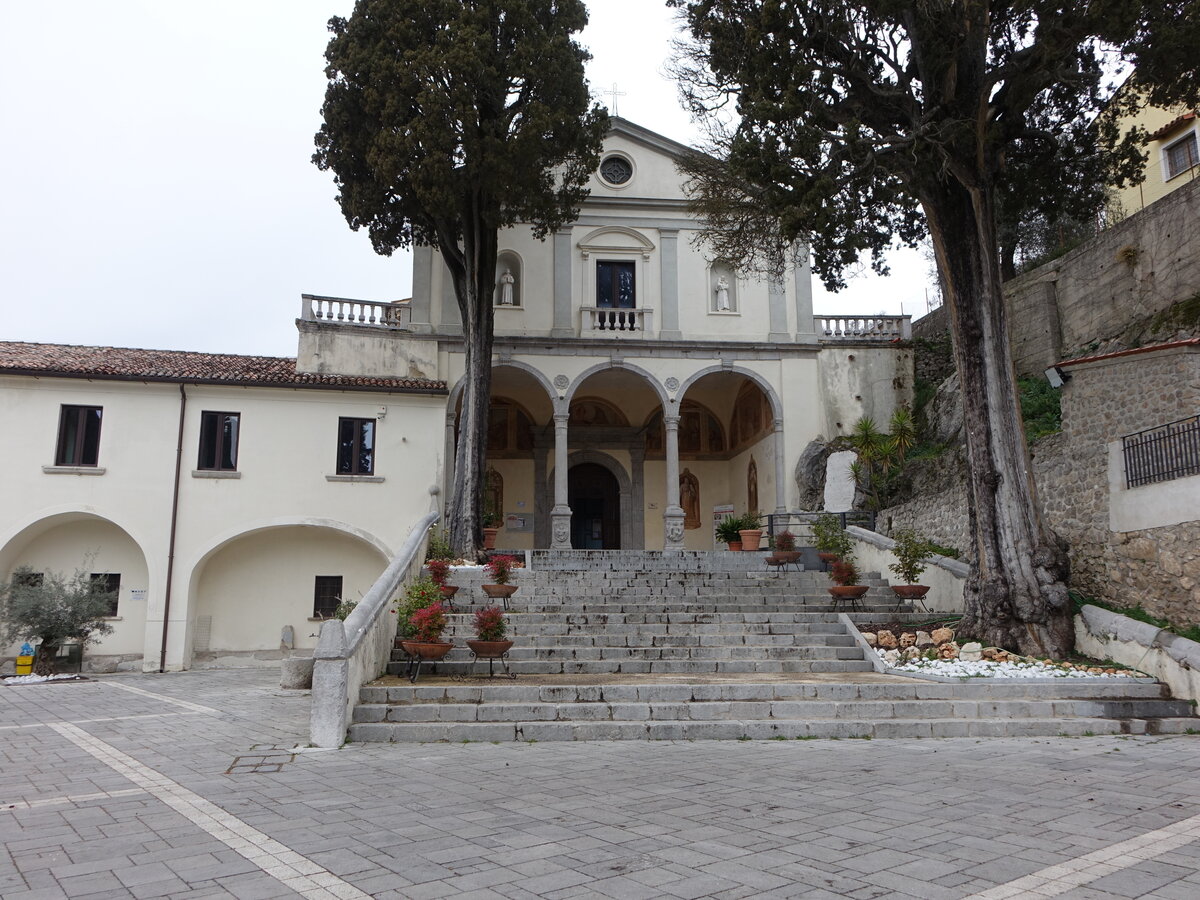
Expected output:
{"points": [[197, 785]]}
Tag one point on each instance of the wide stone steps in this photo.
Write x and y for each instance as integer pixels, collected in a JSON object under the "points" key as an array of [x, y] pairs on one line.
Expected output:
{"points": [[546, 665], [731, 711]]}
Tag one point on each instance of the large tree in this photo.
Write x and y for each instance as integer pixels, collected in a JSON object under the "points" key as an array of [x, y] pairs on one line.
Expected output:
{"points": [[445, 121], [857, 124]]}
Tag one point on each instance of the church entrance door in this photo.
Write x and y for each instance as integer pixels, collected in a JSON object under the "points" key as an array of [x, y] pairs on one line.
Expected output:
{"points": [[595, 500]]}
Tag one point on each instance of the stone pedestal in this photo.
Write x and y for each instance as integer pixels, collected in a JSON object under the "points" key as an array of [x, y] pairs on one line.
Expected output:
{"points": [[673, 528], [560, 528]]}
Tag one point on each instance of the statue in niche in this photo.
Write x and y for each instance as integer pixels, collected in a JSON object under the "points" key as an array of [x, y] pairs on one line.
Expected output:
{"points": [[689, 499], [506, 288], [723, 294], [752, 486]]}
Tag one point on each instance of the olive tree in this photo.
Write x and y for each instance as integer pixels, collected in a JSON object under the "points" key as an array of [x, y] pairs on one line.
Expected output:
{"points": [[51, 609]]}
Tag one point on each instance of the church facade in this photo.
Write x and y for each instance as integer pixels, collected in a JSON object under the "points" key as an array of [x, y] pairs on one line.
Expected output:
{"points": [[642, 389]]}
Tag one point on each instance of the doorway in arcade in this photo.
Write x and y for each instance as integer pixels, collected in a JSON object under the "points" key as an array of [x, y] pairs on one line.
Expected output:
{"points": [[594, 498]]}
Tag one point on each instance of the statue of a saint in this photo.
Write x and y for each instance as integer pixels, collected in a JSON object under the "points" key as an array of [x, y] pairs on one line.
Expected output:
{"points": [[723, 294], [506, 288], [689, 499]]}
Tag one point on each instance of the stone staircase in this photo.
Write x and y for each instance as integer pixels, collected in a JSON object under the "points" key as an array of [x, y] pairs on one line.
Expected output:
{"points": [[613, 646]]}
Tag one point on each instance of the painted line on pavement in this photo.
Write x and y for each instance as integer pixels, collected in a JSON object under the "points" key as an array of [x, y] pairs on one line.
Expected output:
{"points": [[75, 798], [186, 704], [104, 719], [285, 865], [1066, 876]]}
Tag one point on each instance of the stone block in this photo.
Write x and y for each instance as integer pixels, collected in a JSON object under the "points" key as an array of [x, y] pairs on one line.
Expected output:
{"points": [[296, 673]]}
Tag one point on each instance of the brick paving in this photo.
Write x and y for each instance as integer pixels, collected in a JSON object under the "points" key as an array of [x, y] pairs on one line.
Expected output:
{"points": [[109, 792]]}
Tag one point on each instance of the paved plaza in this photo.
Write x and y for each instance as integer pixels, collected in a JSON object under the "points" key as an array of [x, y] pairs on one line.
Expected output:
{"points": [[197, 785]]}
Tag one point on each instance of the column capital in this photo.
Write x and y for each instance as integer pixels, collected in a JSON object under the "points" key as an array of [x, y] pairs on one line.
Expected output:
{"points": [[671, 420], [561, 419]]}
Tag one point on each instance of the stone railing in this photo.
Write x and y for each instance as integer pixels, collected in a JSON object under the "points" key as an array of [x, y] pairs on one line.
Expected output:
{"points": [[598, 322], [944, 576], [863, 328], [1172, 659], [314, 308], [353, 652]]}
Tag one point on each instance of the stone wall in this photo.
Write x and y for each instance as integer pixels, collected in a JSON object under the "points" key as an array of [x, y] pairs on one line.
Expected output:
{"points": [[1157, 568], [1125, 275]]}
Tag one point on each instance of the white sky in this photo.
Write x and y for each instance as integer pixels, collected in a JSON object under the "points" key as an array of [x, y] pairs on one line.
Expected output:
{"points": [[160, 191]]}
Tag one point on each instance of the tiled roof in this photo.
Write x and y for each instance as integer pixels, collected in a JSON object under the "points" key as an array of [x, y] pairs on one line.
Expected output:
{"points": [[1189, 342], [1171, 126], [129, 364]]}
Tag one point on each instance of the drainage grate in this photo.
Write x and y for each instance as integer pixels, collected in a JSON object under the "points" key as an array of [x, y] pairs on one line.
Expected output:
{"points": [[263, 761]]}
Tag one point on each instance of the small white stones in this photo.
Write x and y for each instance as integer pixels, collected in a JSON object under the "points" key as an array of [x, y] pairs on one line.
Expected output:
{"points": [[962, 668]]}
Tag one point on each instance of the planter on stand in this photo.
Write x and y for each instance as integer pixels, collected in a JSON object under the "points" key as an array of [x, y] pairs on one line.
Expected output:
{"points": [[847, 592], [423, 651], [448, 592], [914, 592], [500, 591], [491, 651]]}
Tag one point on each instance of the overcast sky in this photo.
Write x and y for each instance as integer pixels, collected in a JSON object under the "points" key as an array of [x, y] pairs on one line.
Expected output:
{"points": [[159, 190]]}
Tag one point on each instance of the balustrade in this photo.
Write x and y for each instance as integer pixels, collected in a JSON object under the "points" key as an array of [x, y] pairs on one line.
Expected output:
{"points": [[616, 321], [314, 308], [864, 328]]}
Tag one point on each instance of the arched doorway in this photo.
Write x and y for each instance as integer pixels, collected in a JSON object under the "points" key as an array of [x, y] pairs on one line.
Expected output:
{"points": [[595, 500]]}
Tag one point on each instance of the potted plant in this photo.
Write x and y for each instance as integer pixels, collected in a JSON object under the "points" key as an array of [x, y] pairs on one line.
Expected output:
{"points": [[844, 573], [491, 522], [439, 571], [829, 537], [728, 532], [751, 531], [421, 593], [911, 551], [491, 630], [785, 547], [428, 623], [500, 568]]}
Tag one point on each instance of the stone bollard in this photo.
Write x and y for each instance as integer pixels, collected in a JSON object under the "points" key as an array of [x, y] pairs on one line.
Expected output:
{"points": [[296, 673]]}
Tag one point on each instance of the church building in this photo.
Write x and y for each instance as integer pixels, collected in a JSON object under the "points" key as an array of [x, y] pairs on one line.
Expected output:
{"points": [[642, 389]]}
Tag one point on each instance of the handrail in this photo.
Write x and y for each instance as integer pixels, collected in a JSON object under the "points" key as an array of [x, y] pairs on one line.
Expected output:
{"points": [[353, 652]]}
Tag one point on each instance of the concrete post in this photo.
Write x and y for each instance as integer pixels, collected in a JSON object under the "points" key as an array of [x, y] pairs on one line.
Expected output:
{"points": [[330, 715], [673, 515], [780, 470], [560, 516]]}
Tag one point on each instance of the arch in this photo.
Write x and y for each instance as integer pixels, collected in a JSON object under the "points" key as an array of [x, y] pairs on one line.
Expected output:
{"points": [[601, 408], [653, 427], [53, 516], [587, 373], [633, 529], [776, 404], [633, 241], [455, 394]]}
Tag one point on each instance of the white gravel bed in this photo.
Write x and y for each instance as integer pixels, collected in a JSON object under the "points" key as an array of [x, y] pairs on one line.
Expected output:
{"points": [[958, 668]]}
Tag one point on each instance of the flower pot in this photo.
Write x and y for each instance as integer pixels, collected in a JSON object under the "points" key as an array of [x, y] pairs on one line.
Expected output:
{"points": [[448, 591], [787, 556], [499, 591], [910, 591], [432, 650], [848, 591], [489, 538], [751, 538], [734, 545], [827, 557], [489, 649]]}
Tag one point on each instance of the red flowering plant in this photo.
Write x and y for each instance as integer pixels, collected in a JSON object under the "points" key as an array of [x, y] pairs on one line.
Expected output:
{"points": [[439, 571], [429, 623], [785, 541], [844, 572], [500, 568], [490, 624]]}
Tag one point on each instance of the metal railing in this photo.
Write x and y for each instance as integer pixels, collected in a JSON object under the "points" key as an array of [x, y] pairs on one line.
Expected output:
{"points": [[800, 523], [1162, 454], [314, 308], [864, 328]]}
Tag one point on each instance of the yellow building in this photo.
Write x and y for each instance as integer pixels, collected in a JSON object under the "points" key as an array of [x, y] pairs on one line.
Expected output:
{"points": [[1173, 147]]}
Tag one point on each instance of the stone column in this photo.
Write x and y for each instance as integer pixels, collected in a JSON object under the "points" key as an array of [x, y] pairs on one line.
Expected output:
{"points": [[669, 285], [780, 471], [673, 516], [562, 326], [777, 305], [806, 332], [560, 516]]}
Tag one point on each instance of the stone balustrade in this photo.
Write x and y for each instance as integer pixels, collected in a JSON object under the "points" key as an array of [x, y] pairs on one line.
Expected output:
{"points": [[597, 321], [314, 308], [863, 328]]}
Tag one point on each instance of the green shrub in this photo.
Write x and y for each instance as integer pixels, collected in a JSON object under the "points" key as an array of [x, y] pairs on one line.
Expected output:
{"points": [[1041, 408], [53, 610]]}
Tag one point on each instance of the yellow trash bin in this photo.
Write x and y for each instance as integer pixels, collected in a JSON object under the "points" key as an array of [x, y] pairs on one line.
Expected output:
{"points": [[25, 660]]}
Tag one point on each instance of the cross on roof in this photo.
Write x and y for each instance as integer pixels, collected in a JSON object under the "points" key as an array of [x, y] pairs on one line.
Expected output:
{"points": [[614, 93]]}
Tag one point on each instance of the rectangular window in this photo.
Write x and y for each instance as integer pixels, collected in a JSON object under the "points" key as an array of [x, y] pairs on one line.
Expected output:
{"points": [[219, 441], [109, 583], [78, 436], [356, 446], [1181, 156], [28, 579], [615, 288], [326, 596]]}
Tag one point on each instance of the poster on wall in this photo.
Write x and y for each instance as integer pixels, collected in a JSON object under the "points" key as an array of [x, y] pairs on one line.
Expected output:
{"points": [[518, 522]]}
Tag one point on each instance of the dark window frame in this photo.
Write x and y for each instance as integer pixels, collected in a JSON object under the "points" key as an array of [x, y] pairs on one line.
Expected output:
{"points": [[327, 595], [73, 450], [350, 454], [1189, 144], [614, 267], [216, 433], [109, 582]]}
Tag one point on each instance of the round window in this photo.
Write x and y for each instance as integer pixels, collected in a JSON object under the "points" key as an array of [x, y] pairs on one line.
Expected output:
{"points": [[616, 170]]}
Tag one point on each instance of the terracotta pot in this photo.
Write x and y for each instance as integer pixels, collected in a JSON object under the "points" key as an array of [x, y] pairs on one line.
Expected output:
{"points": [[751, 538], [910, 591], [448, 591], [734, 545], [848, 591], [489, 649], [489, 538], [787, 556], [499, 591], [827, 557], [427, 649]]}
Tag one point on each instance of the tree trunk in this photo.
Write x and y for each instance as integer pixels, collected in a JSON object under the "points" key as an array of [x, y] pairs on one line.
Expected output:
{"points": [[474, 272], [1015, 596], [43, 660]]}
